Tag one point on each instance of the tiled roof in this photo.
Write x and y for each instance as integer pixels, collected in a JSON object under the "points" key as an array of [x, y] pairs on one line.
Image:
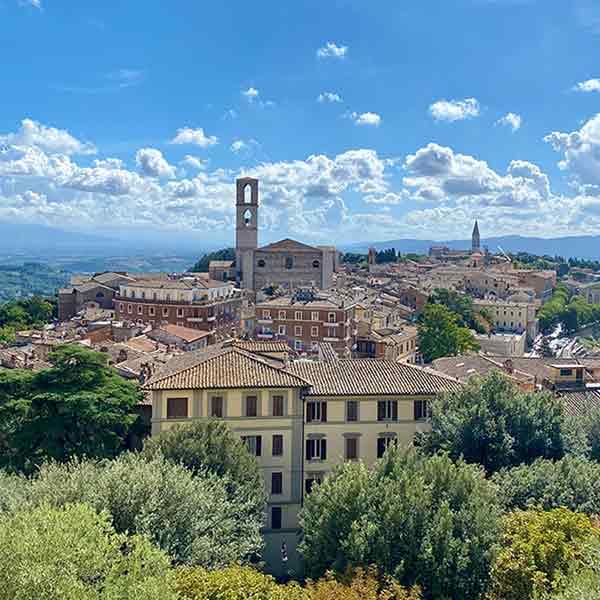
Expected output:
{"points": [[465, 367], [261, 345], [367, 377], [580, 403], [288, 245], [185, 333], [223, 368]]}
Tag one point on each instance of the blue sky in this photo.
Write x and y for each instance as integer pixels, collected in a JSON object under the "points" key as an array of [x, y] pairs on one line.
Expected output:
{"points": [[364, 120]]}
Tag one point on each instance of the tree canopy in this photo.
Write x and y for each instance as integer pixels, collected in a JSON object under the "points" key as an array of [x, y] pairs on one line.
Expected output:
{"points": [[17, 315], [440, 334], [78, 407], [489, 421], [424, 520], [74, 553], [202, 265]]}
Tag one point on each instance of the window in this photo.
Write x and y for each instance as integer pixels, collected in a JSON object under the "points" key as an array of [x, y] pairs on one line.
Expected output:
{"points": [[151, 311], [143, 295], [331, 332], [278, 406], [132, 294], [121, 307], [129, 308], [351, 444], [421, 409], [297, 330], [331, 318], [168, 297], [289, 263], [316, 449], [277, 445], [165, 312], [297, 344], [266, 314], [251, 406], [276, 483], [216, 407], [140, 309], [314, 331], [316, 412], [177, 408], [566, 372], [154, 296], [383, 443], [282, 314], [387, 410], [281, 330], [298, 315], [352, 410], [311, 481], [316, 264], [276, 517], [253, 443], [180, 312], [261, 263], [314, 316]]}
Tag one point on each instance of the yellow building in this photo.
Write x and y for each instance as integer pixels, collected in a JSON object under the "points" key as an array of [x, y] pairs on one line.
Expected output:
{"points": [[298, 419]]}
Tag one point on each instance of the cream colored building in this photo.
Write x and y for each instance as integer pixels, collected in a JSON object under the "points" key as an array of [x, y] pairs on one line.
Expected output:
{"points": [[515, 317], [298, 419]]}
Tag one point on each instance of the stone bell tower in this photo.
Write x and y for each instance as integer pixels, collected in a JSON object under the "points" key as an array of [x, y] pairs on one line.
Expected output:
{"points": [[246, 229]]}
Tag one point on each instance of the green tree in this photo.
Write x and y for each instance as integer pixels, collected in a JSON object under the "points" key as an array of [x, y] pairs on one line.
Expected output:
{"points": [[79, 407], [572, 482], [191, 517], [583, 582], [491, 422], [458, 303], [74, 553], [440, 335], [539, 550], [234, 583], [202, 265], [426, 521]]}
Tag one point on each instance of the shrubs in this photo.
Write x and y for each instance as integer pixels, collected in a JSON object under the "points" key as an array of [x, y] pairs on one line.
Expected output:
{"points": [[539, 550], [192, 518], [424, 520], [73, 553]]}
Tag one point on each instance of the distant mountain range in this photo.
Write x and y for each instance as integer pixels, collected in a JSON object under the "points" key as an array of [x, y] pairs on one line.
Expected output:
{"points": [[581, 246]]}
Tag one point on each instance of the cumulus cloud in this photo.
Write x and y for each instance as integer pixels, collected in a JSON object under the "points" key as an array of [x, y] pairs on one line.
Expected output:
{"points": [[152, 163], [368, 118], [330, 97], [196, 137], [591, 85], [34, 3], [581, 152], [193, 162], [332, 50], [50, 139], [251, 94], [454, 110], [511, 120]]}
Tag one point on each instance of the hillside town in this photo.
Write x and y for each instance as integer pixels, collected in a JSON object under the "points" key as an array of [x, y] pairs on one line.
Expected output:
{"points": [[314, 360]]}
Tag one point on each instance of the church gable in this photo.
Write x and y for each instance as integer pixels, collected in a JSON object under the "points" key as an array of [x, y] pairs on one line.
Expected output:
{"points": [[288, 245]]}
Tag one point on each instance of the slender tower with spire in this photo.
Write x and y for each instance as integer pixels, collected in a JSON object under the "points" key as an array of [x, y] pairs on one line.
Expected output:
{"points": [[475, 239]]}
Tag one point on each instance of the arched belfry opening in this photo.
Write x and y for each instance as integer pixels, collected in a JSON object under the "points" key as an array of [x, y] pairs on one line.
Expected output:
{"points": [[248, 194], [247, 217]]}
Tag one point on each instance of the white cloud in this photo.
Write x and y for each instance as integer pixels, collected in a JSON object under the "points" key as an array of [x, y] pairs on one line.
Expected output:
{"points": [[511, 120], [332, 50], [330, 97], [251, 94], [368, 118], [454, 110], [152, 163], [50, 139], [194, 162], [238, 146], [197, 137], [34, 3], [591, 85]]}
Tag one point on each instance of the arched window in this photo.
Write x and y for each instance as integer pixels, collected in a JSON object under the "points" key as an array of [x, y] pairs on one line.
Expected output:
{"points": [[248, 217], [261, 263], [248, 194], [289, 263], [316, 264], [133, 293]]}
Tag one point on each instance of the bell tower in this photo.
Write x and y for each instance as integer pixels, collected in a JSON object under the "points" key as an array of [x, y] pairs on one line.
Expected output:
{"points": [[246, 228]]}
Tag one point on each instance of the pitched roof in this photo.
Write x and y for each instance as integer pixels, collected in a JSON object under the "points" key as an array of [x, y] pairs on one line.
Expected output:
{"points": [[224, 368], [288, 245], [261, 345], [580, 403], [367, 377], [185, 333]]}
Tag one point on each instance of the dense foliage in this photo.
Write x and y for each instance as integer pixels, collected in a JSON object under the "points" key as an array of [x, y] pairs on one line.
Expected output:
{"points": [[73, 553], [461, 305], [78, 407], [353, 258], [202, 265], [423, 520], [30, 279], [491, 422], [572, 482], [191, 517], [539, 550], [441, 335], [571, 312], [17, 315], [386, 256]]}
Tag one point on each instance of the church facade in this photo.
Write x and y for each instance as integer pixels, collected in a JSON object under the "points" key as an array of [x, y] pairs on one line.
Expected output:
{"points": [[286, 263]]}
